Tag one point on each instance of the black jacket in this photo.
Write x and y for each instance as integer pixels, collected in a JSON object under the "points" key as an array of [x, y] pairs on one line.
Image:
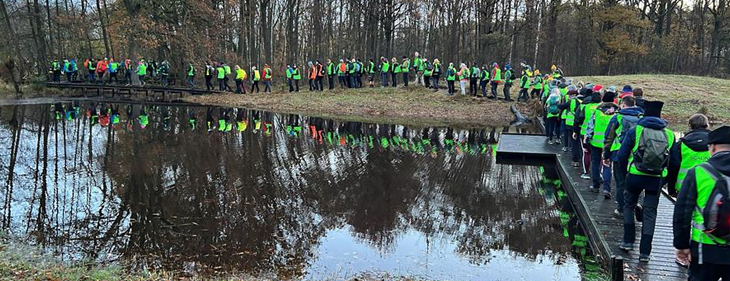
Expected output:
{"points": [[686, 203], [695, 140]]}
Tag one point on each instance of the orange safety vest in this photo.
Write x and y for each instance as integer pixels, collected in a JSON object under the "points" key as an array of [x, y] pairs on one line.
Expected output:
{"points": [[343, 67], [319, 70], [313, 72]]}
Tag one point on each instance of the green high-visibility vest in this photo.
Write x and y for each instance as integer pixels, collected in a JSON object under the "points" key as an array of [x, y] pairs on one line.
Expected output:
{"points": [[56, 65], [632, 168], [588, 110], [570, 116], [288, 73], [474, 72], [525, 82], [690, 159], [508, 76], [221, 72], [600, 124], [142, 69], [537, 83], [256, 75], [418, 63], [91, 66], [705, 182], [437, 67], [267, 73], [191, 70], [240, 74], [371, 68], [464, 74], [564, 96], [385, 67], [113, 67], [330, 69], [228, 69], [497, 75], [451, 74], [485, 75], [296, 75], [405, 67], [396, 68]]}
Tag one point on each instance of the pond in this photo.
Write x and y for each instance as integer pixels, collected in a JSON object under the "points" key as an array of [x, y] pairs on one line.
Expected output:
{"points": [[211, 190]]}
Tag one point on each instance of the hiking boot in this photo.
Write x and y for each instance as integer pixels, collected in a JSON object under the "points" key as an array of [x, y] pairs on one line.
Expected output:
{"points": [[644, 258], [606, 195], [557, 141], [585, 176], [626, 246]]}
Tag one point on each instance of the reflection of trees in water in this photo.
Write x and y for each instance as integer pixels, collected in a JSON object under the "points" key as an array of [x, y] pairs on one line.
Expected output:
{"points": [[257, 191]]}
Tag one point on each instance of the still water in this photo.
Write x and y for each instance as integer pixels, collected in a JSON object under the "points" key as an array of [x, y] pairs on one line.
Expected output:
{"points": [[207, 190]]}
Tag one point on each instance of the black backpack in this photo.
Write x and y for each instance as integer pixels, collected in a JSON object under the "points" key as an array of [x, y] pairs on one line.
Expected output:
{"points": [[652, 155], [717, 211]]}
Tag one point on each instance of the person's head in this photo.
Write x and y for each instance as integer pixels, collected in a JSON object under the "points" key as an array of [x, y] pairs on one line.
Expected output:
{"points": [[451, 64], [719, 140], [463, 65], [371, 60], [639, 93], [627, 102], [266, 66], [553, 67], [416, 54], [288, 66], [253, 67], [698, 122], [394, 59], [329, 61], [436, 60], [341, 60], [237, 67]]}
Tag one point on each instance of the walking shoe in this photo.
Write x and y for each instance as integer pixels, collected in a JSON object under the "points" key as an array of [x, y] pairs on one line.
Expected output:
{"points": [[618, 213], [644, 258], [585, 176], [606, 195], [626, 246], [550, 141], [557, 141], [564, 149], [575, 164]]}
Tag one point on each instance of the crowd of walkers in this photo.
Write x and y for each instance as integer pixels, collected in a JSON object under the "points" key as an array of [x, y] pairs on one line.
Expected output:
{"points": [[475, 80], [618, 135]]}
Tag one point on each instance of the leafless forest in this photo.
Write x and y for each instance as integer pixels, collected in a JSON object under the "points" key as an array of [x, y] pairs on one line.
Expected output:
{"points": [[582, 37]]}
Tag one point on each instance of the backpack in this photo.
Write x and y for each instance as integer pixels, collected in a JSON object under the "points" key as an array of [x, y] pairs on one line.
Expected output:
{"points": [[716, 213], [512, 75], [553, 107], [652, 155], [628, 122]]}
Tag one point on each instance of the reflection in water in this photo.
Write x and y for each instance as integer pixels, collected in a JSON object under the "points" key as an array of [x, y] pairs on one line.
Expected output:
{"points": [[225, 189]]}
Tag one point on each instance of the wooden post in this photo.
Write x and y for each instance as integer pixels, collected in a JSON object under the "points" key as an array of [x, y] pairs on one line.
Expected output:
{"points": [[617, 268]]}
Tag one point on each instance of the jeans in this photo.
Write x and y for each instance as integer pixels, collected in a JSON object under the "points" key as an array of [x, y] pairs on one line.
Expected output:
{"points": [[483, 85], [164, 81], [320, 82], [634, 187], [191, 81], [494, 89], [91, 76], [596, 166], [208, 84], [228, 87], [341, 78], [523, 95], [436, 82], [462, 87], [550, 127], [473, 86], [405, 79], [312, 85], [255, 85], [619, 174], [331, 80], [238, 86], [267, 86], [394, 79], [221, 84], [576, 149], [427, 81], [384, 79]]}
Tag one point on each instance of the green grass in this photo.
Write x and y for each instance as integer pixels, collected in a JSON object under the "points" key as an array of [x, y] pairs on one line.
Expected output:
{"points": [[683, 95]]}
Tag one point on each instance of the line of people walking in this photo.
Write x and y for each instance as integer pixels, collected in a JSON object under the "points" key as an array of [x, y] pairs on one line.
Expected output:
{"points": [[619, 136]]}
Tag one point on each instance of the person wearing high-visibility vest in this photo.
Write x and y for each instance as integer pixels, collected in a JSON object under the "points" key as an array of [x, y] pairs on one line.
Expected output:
{"points": [[537, 84], [626, 118], [474, 74], [451, 78], [255, 78], [524, 86], [266, 77], [141, 71], [508, 78], [405, 68], [312, 76], [240, 80], [643, 153], [384, 70], [320, 75], [585, 110], [595, 136], [91, 68], [700, 216], [221, 76], [342, 73], [690, 151], [113, 70], [484, 80], [296, 75], [418, 68], [571, 106], [289, 80], [496, 79], [395, 70], [436, 74], [209, 71], [56, 71], [351, 74], [191, 75], [359, 69], [228, 72], [427, 72], [370, 69], [331, 72], [463, 78]]}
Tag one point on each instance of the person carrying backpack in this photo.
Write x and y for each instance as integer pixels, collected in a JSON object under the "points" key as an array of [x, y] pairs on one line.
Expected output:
{"points": [[702, 213], [626, 119], [645, 151], [690, 151], [509, 76], [451, 78], [552, 108], [595, 136]]}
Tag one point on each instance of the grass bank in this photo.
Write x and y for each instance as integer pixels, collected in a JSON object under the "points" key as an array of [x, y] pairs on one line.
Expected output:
{"points": [[409, 106], [683, 95]]}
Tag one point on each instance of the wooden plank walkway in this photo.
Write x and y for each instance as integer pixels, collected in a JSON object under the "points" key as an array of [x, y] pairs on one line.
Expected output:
{"points": [[119, 90], [596, 213]]}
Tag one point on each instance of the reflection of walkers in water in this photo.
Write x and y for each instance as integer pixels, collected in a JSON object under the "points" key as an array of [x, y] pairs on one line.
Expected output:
{"points": [[92, 114], [241, 120], [165, 117], [143, 117], [114, 114], [209, 120], [193, 119], [104, 116]]}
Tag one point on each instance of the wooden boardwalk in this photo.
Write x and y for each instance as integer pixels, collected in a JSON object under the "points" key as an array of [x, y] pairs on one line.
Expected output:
{"points": [[119, 90], [596, 213]]}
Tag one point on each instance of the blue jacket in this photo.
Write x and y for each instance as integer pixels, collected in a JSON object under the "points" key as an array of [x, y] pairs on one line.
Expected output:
{"points": [[627, 145], [613, 124]]}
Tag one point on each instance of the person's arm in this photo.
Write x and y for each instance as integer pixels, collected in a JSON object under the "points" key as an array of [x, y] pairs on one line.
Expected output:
{"points": [[610, 136], [579, 118], [627, 145], [675, 160], [683, 208], [591, 128]]}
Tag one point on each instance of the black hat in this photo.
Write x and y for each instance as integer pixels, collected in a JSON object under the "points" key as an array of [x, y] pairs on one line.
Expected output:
{"points": [[608, 97], [653, 108], [720, 135], [595, 97]]}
